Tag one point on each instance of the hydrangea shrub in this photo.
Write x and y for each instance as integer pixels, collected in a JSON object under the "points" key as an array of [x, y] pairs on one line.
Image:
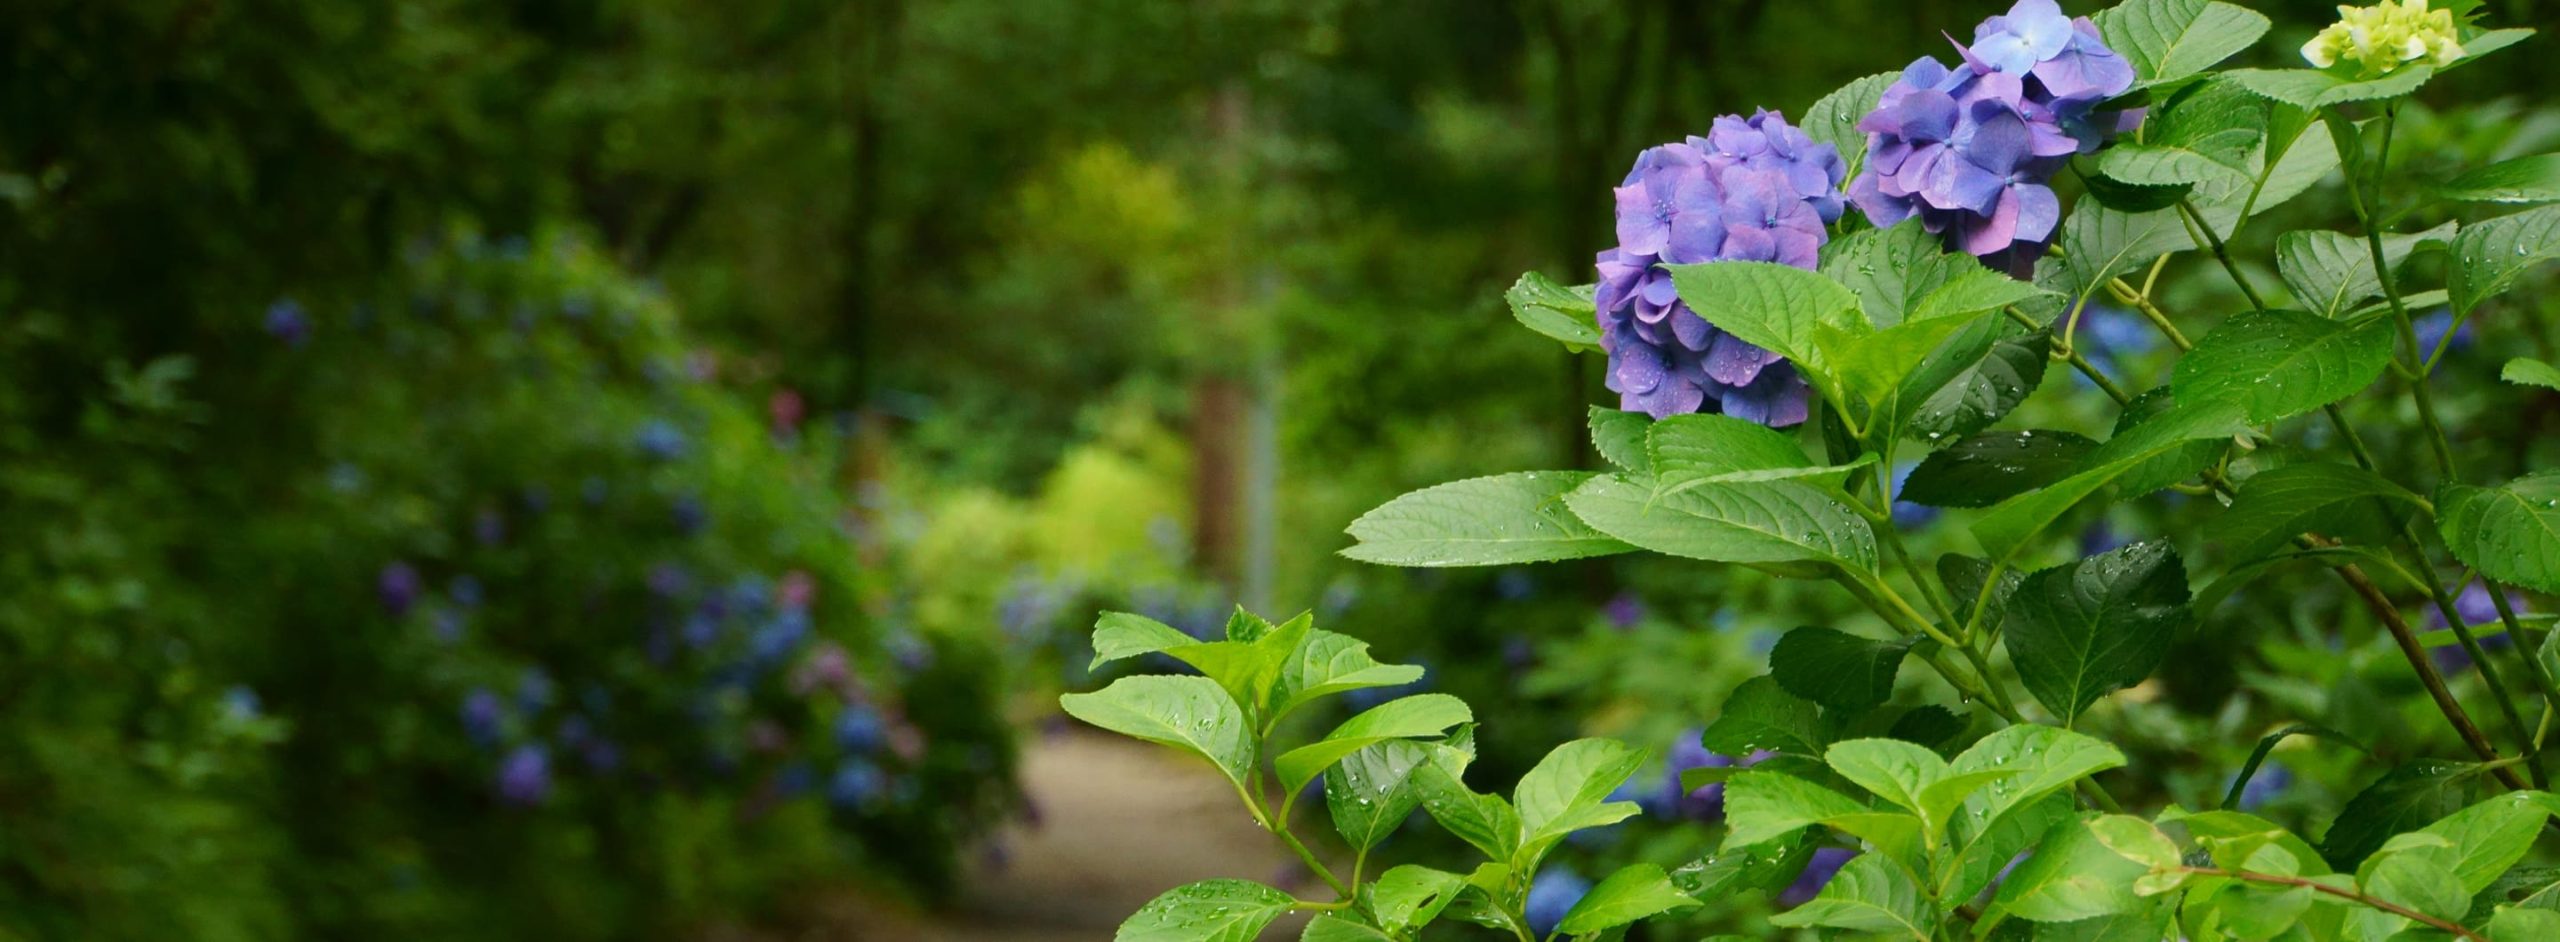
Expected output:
{"points": [[1792, 378]]}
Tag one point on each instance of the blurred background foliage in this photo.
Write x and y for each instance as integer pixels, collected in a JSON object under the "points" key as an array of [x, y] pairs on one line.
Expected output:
{"points": [[586, 469]]}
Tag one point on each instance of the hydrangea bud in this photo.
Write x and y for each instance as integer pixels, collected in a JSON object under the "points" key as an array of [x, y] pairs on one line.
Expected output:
{"points": [[2375, 41], [1968, 150], [1755, 189], [287, 322]]}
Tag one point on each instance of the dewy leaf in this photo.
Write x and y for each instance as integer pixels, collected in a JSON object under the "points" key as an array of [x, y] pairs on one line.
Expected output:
{"points": [[1573, 777], [2167, 40], [2047, 759], [1488, 521], [2100, 243], [2529, 372], [2488, 256], [1485, 821], [1328, 663], [1761, 714], [2325, 497], [1833, 119], [2168, 467], [1892, 268], [2279, 364], [1837, 669], [1417, 716], [2521, 888], [2330, 271], [1981, 374], [1558, 312], [1762, 806], [1773, 522], [1870, 894], [1327, 927], [2081, 630], [2072, 876], [1768, 305], [1620, 437], [1896, 771], [1636, 892], [1192, 713], [1768, 866], [1408, 896], [2524, 180], [1964, 577], [1369, 794], [2310, 88], [1994, 466], [2008, 527], [1207, 911], [1687, 447], [2511, 533], [2404, 799]]}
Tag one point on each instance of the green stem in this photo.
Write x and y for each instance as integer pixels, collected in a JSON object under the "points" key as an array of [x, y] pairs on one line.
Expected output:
{"points": [[2079, 362], [2221, 252], [2457, 930]]}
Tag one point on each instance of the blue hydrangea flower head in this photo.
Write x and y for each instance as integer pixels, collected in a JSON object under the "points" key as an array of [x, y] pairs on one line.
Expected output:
{"points": [[398, 586], [524, 777], [482, 712], [859, 730], [2272, 779], [286, 321], [240, 703], [856, 784], [660, 440], [1552, 895]]}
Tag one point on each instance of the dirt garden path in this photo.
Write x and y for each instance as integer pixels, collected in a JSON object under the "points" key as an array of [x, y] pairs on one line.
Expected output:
{"points": [[1120, 822]]}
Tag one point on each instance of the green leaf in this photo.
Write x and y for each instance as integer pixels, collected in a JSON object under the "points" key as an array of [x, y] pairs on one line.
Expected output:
{"points": [[2008, 527], [1981, 374], [2168, 467], [1329, 663], [1408, 896], [2525, 180], [1685, 448], [2491, 836], [2082, 630], [2416, 880], [2310, 88], [2072, 876], [2215, 156], [1121, 635], [2510, 533], [2489, 255], [1638, 891], [2100, 243], [1620, 437], [1772, 522], [1488, 521], [1874, 365], [2046, 759], [2404, 799], [1994, 466], [1485, 821], [2529, 372], [1558, 794], [2279, 364], [2329, 272], [1987, 848], [1207, 911], [1833, 119], [1768, 866], [1418, 716], [1327, 927], [1761, 714], [1837, 669], [1771, 306], [2267, 744], [1553, 310], [1890, 769], [1762, 806], [2167, 40], [2325, 497], [1892, 268], [1964, 577], [2534, 888], [2523, 925], [1370, 794], [2134, 197], [1191, 713], [1871, 894]]}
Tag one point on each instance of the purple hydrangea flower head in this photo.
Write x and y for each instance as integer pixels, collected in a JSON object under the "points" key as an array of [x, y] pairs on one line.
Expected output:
{"points": [[859, 731], [524, 777], [287, 322], [1969, 149], [2272, 779], [667, 580], [1755, 189], [2475, 607], [688, 514], [1552, 895], [1826, 863], [398, 586], [1624, 610]]}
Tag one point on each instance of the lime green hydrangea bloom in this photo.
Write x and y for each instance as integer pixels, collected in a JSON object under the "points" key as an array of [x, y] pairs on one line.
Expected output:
{"points": [[2380, 39]]}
